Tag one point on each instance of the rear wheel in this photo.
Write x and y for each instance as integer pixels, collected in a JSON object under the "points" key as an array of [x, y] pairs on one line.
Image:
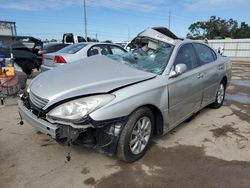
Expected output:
{"points": [[219, 96], [136, 135]]}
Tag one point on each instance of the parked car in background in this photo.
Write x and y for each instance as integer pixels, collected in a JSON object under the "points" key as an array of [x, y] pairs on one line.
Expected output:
{"points": [[79, 51], [50, 48], [117, 103], [127, 45], [70, 38], [24, 49], [122, 44]]}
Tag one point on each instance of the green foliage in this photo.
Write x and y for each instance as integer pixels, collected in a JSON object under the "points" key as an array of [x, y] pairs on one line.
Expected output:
{"points": [[92, 39], [46, 41], [217, 27], [108, 41], [53, 40]]}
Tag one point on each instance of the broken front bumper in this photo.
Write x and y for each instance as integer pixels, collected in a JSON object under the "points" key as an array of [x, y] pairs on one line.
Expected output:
{"points": [[38, 123], [105, 134]]}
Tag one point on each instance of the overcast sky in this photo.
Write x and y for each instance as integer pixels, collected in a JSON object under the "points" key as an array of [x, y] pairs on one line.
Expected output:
{"points": [[118, 20]]}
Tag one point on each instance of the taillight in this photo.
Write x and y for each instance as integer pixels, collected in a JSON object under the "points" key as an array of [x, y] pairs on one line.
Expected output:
{"points": [[59, 59]]}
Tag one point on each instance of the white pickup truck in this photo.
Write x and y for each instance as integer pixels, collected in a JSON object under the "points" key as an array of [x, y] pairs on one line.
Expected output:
{"points": [[70, 38]]}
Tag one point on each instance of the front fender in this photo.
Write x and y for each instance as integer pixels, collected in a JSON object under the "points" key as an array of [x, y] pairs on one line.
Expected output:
{"points": [[151, 92]]}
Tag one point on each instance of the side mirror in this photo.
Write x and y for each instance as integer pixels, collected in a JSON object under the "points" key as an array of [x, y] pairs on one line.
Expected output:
{"points": [[179, 69]]}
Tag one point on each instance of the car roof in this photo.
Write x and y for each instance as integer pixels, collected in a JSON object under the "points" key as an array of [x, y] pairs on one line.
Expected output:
{"points": [[184, 41], [94, 43]]}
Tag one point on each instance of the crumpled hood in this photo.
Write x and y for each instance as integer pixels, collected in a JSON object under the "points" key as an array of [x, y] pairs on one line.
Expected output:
{"points": [[96, 74]]}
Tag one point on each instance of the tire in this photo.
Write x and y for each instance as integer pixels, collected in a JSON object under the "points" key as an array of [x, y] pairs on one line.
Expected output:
{"points": [[220, 95], [136, 135]]}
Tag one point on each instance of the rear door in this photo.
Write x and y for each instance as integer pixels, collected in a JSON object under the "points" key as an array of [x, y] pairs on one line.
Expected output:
{"points": [[210, 72], [185, 91]]}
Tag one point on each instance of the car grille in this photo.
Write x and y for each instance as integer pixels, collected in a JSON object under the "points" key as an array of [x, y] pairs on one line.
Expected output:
{"points": [[37, 101]]}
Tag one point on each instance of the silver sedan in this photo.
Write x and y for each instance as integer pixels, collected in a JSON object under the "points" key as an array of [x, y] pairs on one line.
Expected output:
{"points": [[77, 52], [116, 103]]}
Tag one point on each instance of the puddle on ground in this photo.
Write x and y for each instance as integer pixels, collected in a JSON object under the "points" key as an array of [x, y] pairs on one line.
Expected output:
{"points": [[225, 130], [90, 181], [180, 166], [244, 83], [238, 97]]}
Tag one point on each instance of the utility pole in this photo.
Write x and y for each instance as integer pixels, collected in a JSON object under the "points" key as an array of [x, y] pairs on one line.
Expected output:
{"points": [[96, 38], [85, 20], [169, 19], [128, 33]]}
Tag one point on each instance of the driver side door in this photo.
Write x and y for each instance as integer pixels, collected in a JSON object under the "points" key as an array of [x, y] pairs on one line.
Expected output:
{"points": [[185, 90]]}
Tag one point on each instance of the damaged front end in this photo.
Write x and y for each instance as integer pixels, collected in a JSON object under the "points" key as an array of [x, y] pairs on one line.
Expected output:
{"points": [[101, 135]]}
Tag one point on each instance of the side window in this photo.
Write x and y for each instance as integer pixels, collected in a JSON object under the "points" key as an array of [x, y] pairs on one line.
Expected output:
{"points": [[186, 55], [204, 53], [80, 39], [69, 39], [98, 50], [117, 51]]}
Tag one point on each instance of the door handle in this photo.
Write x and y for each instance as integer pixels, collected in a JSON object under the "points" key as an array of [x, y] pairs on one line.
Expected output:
{"points": [[220, 67], [200, 75]]}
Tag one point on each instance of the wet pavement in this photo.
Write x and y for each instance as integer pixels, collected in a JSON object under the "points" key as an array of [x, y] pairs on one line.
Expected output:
{"points": [[212, 150], [238, 93]]}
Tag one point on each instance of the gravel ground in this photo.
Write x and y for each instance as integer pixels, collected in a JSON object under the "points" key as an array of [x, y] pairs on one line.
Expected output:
{"points": [[212, 150]]}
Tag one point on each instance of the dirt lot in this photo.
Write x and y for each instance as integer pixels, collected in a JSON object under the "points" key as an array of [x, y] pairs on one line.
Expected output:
{"points": [[213, 150]]}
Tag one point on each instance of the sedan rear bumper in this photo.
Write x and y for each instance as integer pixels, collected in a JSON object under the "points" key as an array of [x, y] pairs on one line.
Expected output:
{"points": [[46, 68]]}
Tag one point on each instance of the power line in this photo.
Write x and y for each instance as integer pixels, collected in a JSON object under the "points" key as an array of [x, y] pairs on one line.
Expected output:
{"points": [[73, 19]]}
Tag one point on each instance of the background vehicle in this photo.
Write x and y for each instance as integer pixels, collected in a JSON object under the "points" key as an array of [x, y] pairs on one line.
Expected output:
{"points": [[50, 48], [117, 106], [79, 51], [25, 51], [70, 38], [127, 45]]}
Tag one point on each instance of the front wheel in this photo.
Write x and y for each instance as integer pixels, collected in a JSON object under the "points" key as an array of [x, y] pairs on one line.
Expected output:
{"points": [[219, 96], [136, 135]]}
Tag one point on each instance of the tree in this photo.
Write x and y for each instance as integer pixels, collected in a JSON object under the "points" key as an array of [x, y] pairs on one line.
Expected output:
{"points": [[197, 30], [53, 40], [108, 41], [217, 27], [92, 39], [243, 30], [46, 41]]}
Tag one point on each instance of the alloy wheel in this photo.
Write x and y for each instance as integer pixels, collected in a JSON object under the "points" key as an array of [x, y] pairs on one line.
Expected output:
{"points": [[140, 135], [221, 93]]}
